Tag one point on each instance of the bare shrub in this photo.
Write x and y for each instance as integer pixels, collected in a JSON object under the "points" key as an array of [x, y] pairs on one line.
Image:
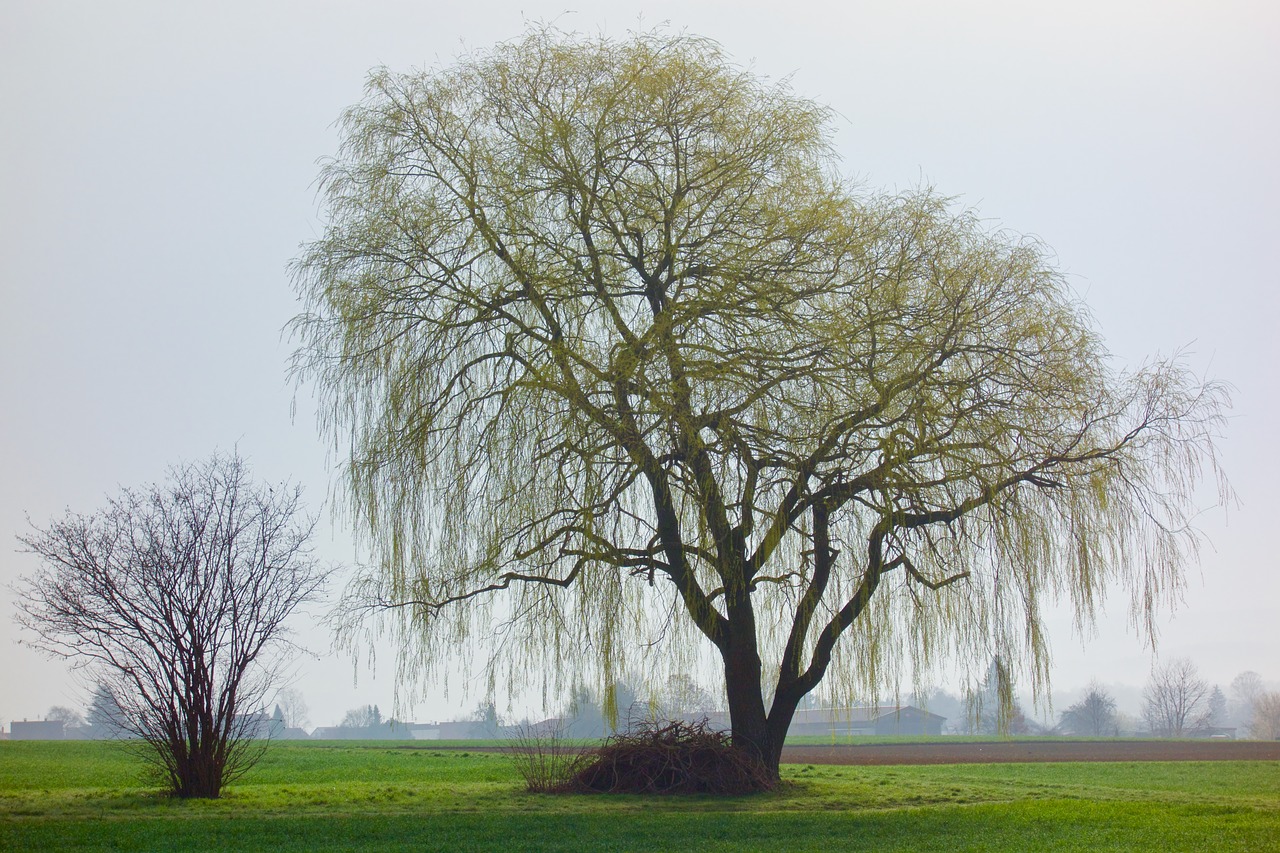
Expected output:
{"points": [[175, 598], [545, 758]]}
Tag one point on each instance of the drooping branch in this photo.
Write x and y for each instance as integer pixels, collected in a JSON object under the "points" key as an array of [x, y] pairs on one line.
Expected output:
{"points": [[598, 316]]}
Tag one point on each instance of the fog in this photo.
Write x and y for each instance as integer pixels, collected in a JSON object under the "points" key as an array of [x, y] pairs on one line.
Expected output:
{"points": [[157, 179]]}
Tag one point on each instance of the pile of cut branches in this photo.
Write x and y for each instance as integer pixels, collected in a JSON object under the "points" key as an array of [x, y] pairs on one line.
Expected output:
{"points": [[672, 757]]}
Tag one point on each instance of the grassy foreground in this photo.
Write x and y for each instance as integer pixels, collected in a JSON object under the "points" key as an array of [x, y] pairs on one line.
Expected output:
{"points": [[338, 796]]}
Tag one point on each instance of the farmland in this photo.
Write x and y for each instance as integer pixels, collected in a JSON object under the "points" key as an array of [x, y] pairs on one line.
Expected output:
{"points": [[379, 796]]}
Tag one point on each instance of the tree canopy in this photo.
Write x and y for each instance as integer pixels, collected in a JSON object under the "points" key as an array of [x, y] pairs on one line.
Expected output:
{"points": [[622, 362], [1094, 715]]}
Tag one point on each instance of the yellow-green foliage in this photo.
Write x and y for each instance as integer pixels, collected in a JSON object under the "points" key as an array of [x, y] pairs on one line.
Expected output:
{"points": [[613, 347]]}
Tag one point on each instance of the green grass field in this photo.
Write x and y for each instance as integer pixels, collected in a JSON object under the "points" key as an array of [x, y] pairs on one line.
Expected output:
{"points": [[367, 796]]}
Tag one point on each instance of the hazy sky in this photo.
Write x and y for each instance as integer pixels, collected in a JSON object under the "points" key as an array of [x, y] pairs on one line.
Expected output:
{"points": [[156, 177]]}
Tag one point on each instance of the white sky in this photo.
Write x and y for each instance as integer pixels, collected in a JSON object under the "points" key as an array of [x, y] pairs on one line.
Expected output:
{"points": [[156, 169]]}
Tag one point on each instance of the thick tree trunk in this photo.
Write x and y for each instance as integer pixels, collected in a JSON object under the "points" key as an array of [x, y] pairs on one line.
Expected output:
{"points": [[752, 728], [749, 722], [758, 730]]}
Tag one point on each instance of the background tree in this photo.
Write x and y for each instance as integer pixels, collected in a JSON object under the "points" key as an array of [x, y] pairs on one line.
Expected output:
{"points": [[176, 596], [1094, 715], [1245, 690], [1265, 721], [1216, 708], [293, 707], [1176, 700], [485, 721], [991, 707], [949, 705], [620, 357], [683, 698], [104, 716], [363, 717], [68, 716], [583, 715]]}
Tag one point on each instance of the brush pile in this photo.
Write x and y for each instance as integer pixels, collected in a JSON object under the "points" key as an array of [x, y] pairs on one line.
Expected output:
{"points": [[671, 757]]}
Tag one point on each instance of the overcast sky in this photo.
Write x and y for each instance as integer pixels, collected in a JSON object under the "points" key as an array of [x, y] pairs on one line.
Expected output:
{"points": [[157, 162]]}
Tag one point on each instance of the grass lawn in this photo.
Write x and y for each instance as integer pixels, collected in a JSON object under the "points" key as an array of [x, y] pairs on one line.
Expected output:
{"points": [[343, 795]]}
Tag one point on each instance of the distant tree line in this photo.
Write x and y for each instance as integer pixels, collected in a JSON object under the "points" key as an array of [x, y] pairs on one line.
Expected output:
{"points": [[1177, 702]]}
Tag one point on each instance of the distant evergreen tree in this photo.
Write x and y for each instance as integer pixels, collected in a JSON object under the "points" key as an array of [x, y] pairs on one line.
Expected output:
{"points": [[1218, 715], [583, 717], [991, 708], [104, 717]]}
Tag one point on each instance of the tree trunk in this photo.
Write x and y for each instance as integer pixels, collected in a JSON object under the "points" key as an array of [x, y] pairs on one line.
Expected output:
{"points": [[752, 728], [198, 773], [749, 724]]}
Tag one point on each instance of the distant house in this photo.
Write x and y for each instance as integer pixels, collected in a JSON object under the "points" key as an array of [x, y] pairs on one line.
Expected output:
{"points": [[550, 727], [389, 730], [446, 730], [878, 720], [259, 726], [461, 730], [424, 731], [1214, 732], [37, 730], [276, 729], [864, 721], [332, 733]]}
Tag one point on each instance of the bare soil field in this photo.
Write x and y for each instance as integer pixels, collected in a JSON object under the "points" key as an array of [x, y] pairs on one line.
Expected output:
{"points": [[1033, 751]]}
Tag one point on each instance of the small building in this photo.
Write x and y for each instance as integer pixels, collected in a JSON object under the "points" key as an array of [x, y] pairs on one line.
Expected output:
{"points": [[259, 725], [37, 730], [1214, 733], [864, 721], [424, 731], [461, 730], [388, 730]]}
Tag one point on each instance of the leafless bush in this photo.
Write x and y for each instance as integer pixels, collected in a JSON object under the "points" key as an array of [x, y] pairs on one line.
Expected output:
{"points": [[545, 758], [175, 597]]}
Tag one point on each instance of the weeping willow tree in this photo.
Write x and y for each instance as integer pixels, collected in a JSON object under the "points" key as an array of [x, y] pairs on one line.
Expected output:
{"points": [[623, 365]]}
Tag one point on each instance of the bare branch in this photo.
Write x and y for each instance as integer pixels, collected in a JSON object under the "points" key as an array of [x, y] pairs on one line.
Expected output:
{"points": [[176, 598]]}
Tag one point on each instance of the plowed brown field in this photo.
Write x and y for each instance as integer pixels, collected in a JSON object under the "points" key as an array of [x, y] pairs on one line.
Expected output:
{"points": [[1033, 751]]}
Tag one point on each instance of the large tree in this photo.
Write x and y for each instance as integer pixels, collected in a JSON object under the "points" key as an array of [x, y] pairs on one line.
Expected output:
{"points": [[618, 355], [1175, 701], [175, 598]]}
